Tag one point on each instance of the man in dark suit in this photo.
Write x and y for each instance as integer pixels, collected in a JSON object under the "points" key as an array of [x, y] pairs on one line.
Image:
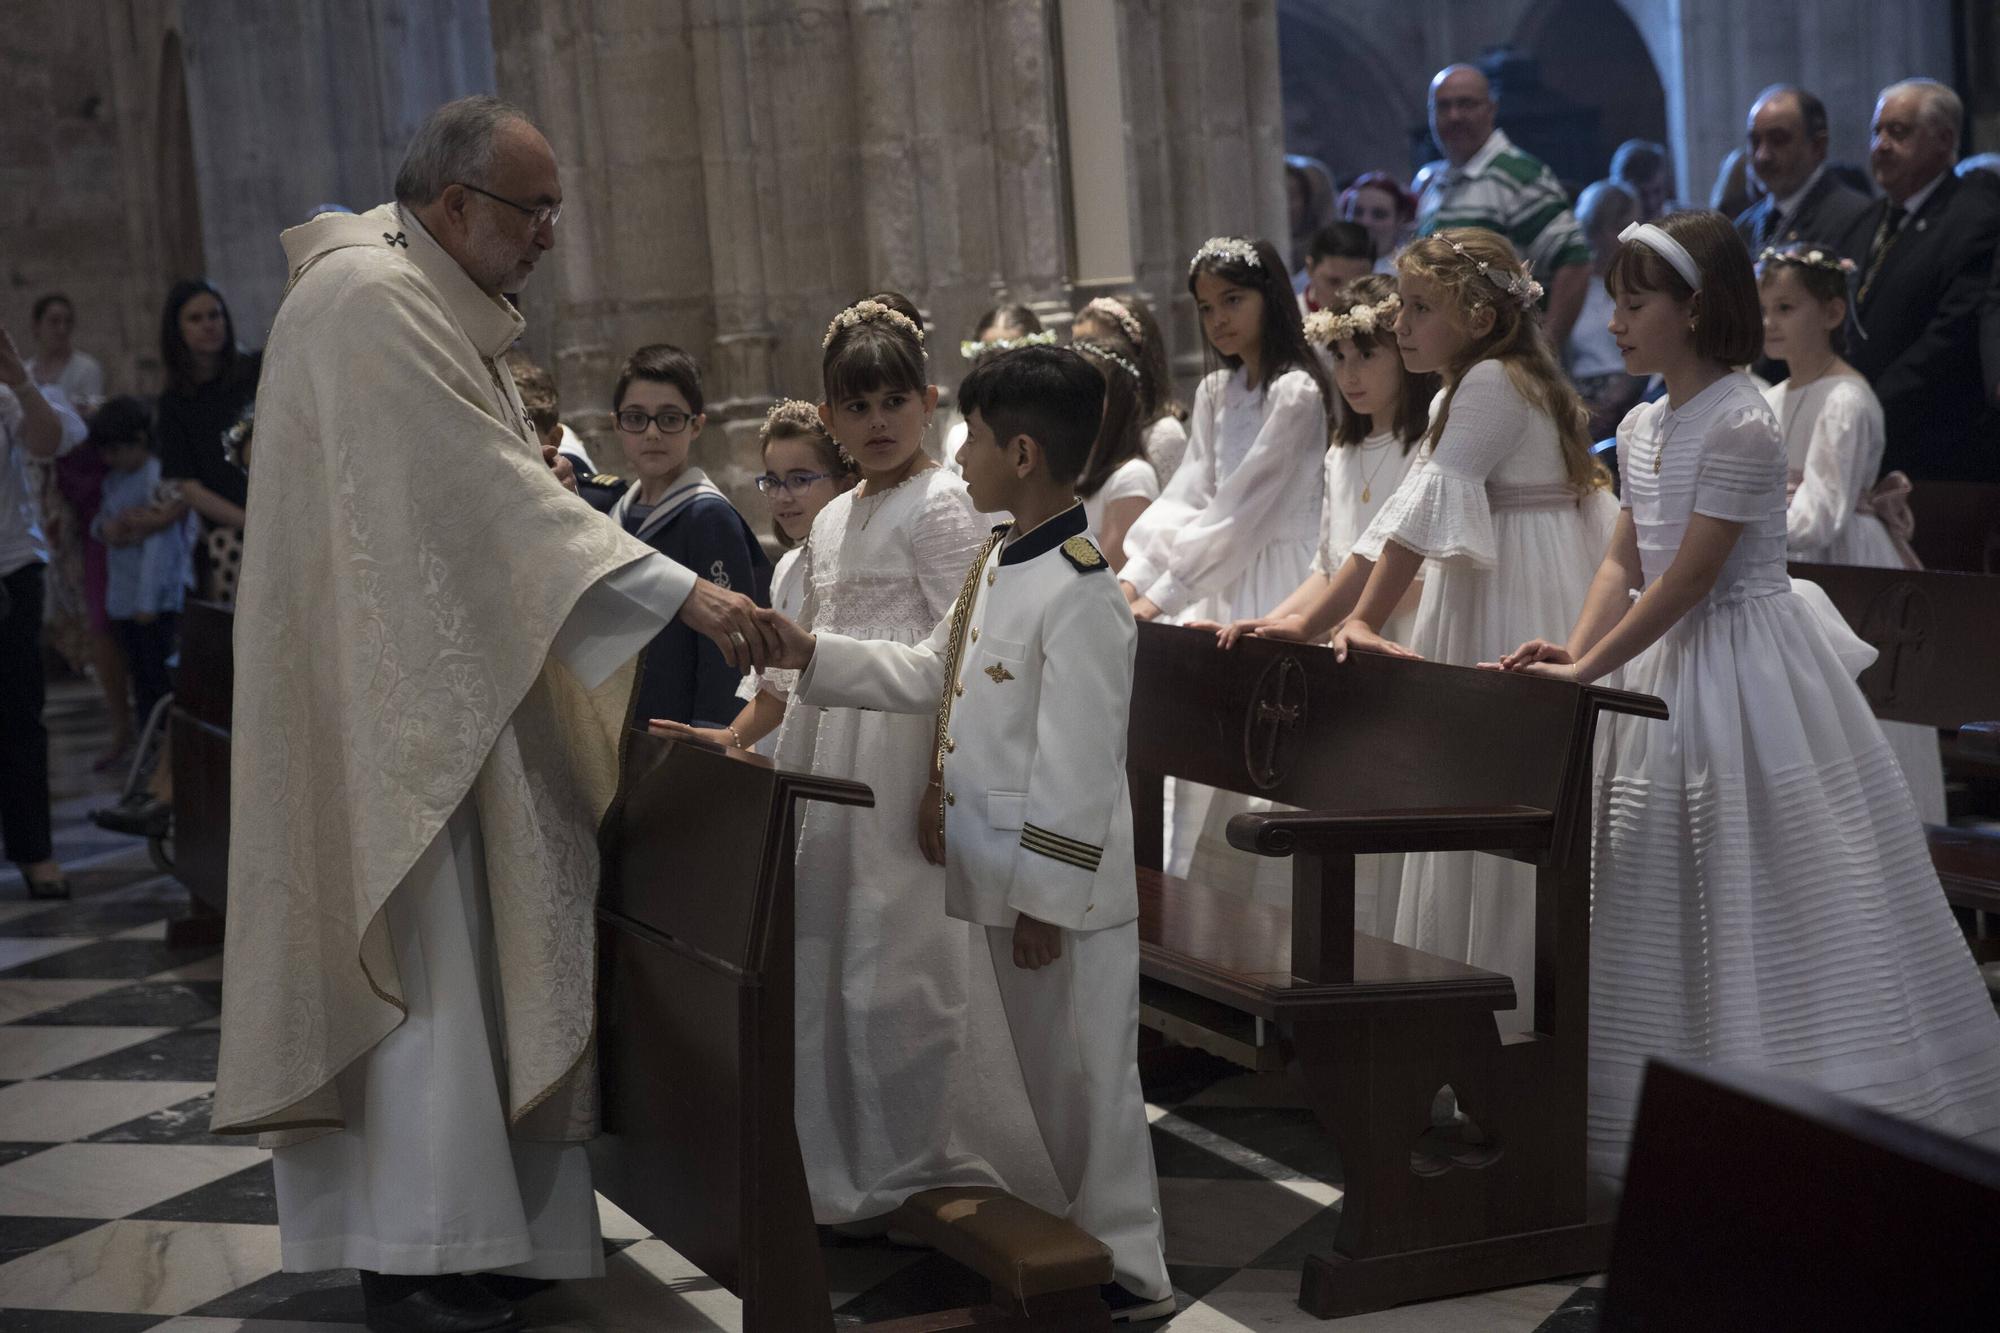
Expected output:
{"points": [[1924, 280], [1802, 200]]}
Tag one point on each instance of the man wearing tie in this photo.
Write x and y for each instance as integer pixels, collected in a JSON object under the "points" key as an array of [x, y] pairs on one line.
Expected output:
{"points": [[1923, 282], [1786, 141]]}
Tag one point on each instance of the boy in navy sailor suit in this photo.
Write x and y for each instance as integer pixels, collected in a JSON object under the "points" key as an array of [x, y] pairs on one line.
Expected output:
{"points": [[1030, 677]]}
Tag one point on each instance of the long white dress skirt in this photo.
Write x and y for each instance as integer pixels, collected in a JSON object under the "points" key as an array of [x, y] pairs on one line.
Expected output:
{"points": [[1468, 905], [1764, 896], [424, 1178]]}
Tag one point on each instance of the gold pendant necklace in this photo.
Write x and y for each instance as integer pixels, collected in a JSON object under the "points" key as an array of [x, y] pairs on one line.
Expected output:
{"points": [[1368, 481]]}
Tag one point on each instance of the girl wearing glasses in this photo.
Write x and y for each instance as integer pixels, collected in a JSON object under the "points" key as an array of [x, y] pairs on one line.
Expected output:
{"points": [[674, 508], [803, 470]]}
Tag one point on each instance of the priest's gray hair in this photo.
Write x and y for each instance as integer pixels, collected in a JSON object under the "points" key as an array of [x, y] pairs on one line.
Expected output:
{"points": [[1941, 106], [455, 146]]}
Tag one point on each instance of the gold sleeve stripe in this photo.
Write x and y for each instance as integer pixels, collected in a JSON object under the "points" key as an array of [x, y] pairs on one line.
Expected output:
{"points": [[1082, 855]]}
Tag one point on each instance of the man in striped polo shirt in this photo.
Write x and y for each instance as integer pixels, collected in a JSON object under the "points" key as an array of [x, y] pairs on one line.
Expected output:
{"points": [[1492, 184]]}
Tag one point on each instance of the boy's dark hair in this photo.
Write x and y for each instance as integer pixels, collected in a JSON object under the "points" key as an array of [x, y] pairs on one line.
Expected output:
{"points": [[537, 388], [121, 420], [1050, 394], [1728, 322], [42, 304], [875, 354], [662, 363], [1341, 240]]}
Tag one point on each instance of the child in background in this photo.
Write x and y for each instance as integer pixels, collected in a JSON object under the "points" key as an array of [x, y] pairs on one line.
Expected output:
{"points": [[1340, 253], [1118, 481], [1162, 420], [146, 579], [673, 507], [803, 471], [1762, 892], [1838, 514], [1002, 327]]}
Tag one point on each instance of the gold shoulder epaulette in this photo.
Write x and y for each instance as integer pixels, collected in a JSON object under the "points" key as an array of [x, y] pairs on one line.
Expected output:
{"points": [[609, 480], [1081, 552]]}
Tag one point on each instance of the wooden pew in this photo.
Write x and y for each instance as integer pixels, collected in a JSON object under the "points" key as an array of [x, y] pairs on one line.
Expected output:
{"points": [[1758, 1202], [695, 1046], [1939, 639], [1388, 755], [198, 738], [1958, 525]]}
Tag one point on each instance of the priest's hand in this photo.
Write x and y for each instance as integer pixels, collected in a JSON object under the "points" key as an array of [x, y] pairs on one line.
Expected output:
{"points": [[565, 470], [1036, 943], [733, 622], [795, 646]]}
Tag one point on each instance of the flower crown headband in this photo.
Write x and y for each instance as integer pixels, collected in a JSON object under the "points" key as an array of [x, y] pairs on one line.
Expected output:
{"points": [[1324, 328], [972, 349], [871, 312], [1120, 314], [794, 412], [1100, 352], [1520, 288], [1224, 250], [1805, 258]]}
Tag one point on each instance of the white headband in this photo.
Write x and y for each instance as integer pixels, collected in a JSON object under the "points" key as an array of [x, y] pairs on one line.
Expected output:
{"points": [[1667, 248]]}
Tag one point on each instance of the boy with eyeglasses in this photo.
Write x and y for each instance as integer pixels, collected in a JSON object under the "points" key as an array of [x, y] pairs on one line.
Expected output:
{"points": [[673, 507]]}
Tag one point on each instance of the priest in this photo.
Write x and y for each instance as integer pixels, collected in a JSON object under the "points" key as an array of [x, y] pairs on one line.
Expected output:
{"points": [[434, 660]]}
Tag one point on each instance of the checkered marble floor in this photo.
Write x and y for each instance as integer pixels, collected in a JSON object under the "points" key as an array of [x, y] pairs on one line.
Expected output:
{"points": [[118, 1210]]}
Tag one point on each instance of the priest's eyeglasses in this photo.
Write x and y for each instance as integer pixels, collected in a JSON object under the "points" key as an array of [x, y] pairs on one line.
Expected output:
{"points": [[545, 215], [795, 483], [671, 421]]}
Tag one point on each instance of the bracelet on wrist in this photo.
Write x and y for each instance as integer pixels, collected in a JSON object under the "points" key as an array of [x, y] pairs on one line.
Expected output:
{"points": [[735, 738]]}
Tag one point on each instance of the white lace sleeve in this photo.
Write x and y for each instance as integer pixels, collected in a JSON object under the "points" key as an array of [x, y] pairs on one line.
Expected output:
{"points": [[1217, 544], [1151, 535], [1841, 460], [1166, 445], [1741, 474], [1441, 510], [944, 541]]}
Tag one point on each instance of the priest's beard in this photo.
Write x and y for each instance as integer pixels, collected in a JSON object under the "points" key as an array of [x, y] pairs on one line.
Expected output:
{"points": [[498, 261]]}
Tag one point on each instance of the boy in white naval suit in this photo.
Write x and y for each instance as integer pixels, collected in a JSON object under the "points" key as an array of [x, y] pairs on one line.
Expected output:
{"points": [[1031, 680]]}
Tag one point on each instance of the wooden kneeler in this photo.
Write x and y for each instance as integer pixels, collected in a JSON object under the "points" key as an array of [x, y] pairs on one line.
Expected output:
{"points": [[696, 1048]]}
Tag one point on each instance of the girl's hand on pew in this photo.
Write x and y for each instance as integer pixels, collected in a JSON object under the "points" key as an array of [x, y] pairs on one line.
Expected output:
{"points": [[1531, 652], [1360, 635], [672, 730], [1144, 609], [1291, 628]]}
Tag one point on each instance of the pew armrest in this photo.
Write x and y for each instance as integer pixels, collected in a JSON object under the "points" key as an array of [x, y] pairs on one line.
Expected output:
{"points": [[1497, 828]]}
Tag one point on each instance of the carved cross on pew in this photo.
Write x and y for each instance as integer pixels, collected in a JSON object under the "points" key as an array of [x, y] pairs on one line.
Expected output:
{"points": [[1900, 624], [1277, 708]]}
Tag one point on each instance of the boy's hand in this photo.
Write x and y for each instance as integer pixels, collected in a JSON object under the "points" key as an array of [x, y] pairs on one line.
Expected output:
{"points": [[930, 822], [795, 645], [1036, 943]]}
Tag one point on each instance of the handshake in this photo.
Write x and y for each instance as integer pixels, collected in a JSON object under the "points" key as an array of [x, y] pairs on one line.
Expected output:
{"points": [[750, 637]]}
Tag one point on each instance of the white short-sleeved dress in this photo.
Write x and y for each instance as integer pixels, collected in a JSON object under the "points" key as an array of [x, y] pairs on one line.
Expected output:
{"points": [[1234, 532], [906, 1072], [1510, 549], [1833, 451], [1763, 893], [1360, 478], [1134, 479]]}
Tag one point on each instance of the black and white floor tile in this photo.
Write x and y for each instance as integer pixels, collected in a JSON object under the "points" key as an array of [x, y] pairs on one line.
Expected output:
{"points": [[119, 1211]]}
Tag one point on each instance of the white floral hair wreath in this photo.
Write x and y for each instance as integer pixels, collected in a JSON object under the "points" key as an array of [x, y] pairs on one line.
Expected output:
{"points": [[1099, 352], [1324, 328], [1115, 310], [1806, 258], [1224, 250], [1520, 288], [793, 412], [972, 349], [871, 312]]}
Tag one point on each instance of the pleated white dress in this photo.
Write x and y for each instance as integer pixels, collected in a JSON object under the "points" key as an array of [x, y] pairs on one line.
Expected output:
{"points": [[1763, 895], [1510, 548], [907, 1077], [1833, 451], [1360, 478], [1235, 529]]}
